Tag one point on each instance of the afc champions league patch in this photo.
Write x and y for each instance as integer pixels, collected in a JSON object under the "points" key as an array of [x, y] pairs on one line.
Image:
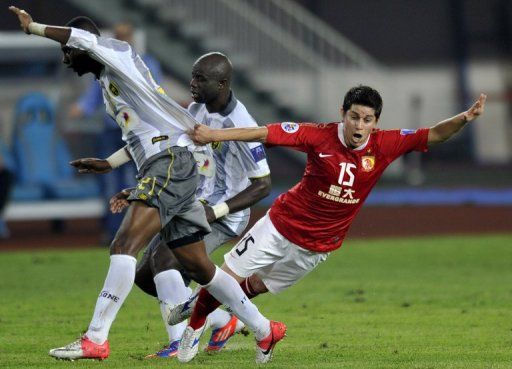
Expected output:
{"points": [[405, 132], [112, 87], [368, 163], [290, 127], [258, 153]]}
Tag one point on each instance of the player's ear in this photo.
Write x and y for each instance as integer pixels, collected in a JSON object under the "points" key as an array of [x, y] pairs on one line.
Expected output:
{"points": [[342, 113]]}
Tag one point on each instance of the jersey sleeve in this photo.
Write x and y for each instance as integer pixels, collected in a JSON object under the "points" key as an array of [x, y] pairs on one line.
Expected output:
{"points": [[109, 52], [395, 143], [298, 136], [253, 159], [252, 154]]}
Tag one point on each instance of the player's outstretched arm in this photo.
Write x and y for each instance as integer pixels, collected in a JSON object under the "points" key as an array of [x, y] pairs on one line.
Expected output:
{"points": [[101, 166], [59, 34], [446, 129], [92, 165], [202, 135]]}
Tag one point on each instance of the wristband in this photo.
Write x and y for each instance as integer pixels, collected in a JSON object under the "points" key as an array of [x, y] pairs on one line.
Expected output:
{"points": [[220, 210], [118, 158], [37, 29]]}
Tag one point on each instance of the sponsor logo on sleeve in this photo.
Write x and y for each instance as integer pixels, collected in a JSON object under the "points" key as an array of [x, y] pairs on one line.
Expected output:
{"points": [[154, 140], [258, 153], [113, 89], [290, 127], [405, 132]]}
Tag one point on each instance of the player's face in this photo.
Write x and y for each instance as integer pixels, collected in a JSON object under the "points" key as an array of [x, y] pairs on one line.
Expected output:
{"points": [[203, 88], [75, 59], [358, 123]]}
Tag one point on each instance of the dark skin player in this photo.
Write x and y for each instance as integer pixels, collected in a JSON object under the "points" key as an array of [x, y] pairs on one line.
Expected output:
{"points": [[141, 222], [210, 85]]}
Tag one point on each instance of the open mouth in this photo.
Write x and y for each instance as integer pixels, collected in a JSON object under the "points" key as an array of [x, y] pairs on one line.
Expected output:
{"points": [[357, 136]]}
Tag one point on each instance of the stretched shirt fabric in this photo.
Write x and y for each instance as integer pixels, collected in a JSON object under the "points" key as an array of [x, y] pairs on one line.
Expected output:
{"points": [[318, 211], [92, 98], [150, 121], [236, 162]]}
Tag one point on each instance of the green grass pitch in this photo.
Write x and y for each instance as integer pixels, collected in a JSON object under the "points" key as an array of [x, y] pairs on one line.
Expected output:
{"points": [[435, 303]]}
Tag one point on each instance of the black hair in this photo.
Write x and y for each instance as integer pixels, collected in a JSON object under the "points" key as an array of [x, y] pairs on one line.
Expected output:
{"points": [[84, 23], [363, 95]]}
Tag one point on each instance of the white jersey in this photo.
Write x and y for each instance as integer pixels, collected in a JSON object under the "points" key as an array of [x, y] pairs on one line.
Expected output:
{"points": [[236, 161], [150, 121]]}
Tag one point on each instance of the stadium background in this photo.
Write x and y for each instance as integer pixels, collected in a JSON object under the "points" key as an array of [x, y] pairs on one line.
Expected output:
{"points": [[438, 298]]}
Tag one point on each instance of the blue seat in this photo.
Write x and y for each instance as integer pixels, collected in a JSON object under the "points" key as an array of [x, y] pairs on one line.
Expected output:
{"points": [[42, 157]]}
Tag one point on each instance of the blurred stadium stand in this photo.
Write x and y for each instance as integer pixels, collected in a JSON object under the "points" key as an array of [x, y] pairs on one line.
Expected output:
{"points": [[295, 60], [42, 156]]}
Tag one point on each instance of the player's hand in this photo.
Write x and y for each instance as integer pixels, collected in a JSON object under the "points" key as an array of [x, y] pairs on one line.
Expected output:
{"points": [[210, 215], [119, 201], [92, 165], [476, 109], [201, 134], [24, 18]]}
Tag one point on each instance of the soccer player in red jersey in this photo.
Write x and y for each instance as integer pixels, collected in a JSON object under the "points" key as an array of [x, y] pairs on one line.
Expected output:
{"points": [[344, 162]]}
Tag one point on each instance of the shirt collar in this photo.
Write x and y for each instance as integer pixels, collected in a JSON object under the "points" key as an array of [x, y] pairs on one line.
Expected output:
{"points": [[230, 106], [342, 138]]}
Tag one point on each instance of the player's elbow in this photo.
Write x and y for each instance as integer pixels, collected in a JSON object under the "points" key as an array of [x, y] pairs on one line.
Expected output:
{"points": [[435, 137], [264, 186]]}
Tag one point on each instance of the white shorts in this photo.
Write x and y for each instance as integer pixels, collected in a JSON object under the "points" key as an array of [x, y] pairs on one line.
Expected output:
{"points": [[265, 252]]}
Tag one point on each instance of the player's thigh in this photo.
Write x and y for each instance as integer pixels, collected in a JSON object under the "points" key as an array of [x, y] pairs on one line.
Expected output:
{"points": [[286, 272], [195, 261], [138, 227], [162, 258], [260, 247]]}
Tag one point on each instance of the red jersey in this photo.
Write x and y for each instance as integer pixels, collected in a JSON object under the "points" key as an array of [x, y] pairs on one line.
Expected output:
{"points": [[318, 211]]}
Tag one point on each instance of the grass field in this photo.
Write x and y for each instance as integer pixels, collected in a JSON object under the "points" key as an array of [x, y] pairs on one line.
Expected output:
{"points": [[395, 303]]}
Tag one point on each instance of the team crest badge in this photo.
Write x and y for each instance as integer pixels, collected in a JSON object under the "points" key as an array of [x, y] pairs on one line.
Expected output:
{"points": [[113, 89], [368, 163], [290, 127]]}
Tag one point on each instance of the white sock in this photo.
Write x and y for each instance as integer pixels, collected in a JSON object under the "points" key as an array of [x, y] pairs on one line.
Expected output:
{"points": [[171, 290], [118, 283], [219, 318], [227, 290]]}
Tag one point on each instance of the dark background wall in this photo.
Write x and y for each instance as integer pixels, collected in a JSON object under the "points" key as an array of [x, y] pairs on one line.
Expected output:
{"points": [[422, 32]]}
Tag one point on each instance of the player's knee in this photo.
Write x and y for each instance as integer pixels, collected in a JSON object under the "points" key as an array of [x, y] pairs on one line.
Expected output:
{"points": [[163, 259], [122, 244], [257, 285], [145, 283], [162, 264], [199, 272]]}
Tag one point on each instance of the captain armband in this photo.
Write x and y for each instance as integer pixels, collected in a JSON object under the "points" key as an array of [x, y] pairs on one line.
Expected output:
{"points": [[118, 158]]}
